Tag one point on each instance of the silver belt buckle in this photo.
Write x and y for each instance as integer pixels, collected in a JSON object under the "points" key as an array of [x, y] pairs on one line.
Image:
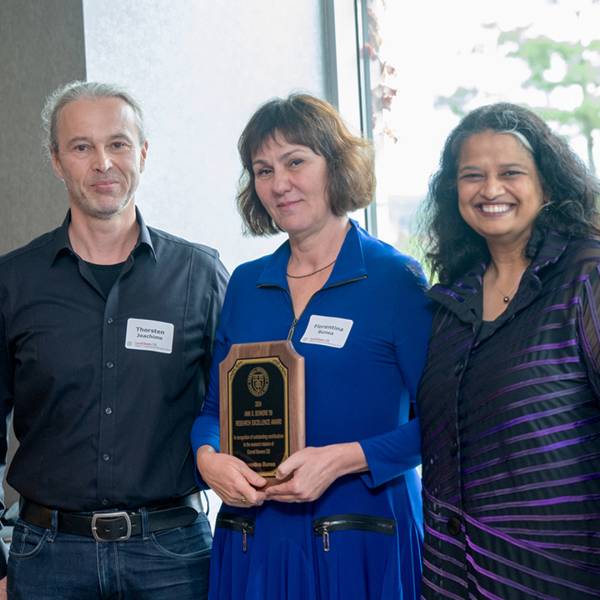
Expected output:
{"points": [[113, 515]]}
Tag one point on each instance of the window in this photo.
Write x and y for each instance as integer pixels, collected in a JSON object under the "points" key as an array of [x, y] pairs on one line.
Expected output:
{"points": [[419, 65]]}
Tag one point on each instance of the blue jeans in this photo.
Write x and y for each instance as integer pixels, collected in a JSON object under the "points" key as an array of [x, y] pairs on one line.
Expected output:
{"points": [[45, 564]]}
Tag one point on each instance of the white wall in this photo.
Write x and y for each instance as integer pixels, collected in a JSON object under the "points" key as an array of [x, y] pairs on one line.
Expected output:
{"points": [[200, 68]]}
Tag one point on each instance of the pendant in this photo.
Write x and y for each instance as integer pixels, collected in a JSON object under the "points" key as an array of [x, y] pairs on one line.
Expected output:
{"points": [[506, 299]]}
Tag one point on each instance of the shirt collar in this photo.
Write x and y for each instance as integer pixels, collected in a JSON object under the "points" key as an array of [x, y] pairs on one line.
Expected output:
{"points": [[461, 297], [349, 265], [62, 244], [144, 238]]}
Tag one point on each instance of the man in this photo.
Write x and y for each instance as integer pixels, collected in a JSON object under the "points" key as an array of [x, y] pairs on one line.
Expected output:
{"points": [[106, 332]]}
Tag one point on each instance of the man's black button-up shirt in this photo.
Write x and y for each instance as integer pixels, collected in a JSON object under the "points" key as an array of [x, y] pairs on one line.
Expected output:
{"points": [[105, 388]]}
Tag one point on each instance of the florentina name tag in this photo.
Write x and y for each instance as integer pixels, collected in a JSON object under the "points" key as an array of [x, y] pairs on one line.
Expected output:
{"points": [[261, 404], [327, 331], [152, 336]]}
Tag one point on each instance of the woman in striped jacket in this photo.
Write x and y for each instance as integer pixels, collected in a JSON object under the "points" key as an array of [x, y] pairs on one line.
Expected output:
{"points": [[510, 398]]}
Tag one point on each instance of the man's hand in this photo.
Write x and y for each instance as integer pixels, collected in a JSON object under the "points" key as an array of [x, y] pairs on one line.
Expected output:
{"points": [[230, 478], [3, 589]]}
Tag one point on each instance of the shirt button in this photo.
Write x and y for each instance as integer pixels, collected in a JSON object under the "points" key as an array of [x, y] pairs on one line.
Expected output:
{"points": [[460, 365], [110, 364], [104, 501], [453, 449], [106, 457], [110, 320], [453, 526], [108, 410]]}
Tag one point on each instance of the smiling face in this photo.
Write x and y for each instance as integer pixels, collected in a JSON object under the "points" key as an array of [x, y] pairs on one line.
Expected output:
{"points": [[291, 183], [99, 156], [499, 190]]}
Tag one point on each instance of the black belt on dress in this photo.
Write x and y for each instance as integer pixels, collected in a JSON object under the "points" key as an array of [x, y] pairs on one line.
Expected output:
{"points": [[115, 526]]}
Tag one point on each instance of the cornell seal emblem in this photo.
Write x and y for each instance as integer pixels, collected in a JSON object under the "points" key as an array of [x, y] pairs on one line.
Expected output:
{"points": [[258, 381]]}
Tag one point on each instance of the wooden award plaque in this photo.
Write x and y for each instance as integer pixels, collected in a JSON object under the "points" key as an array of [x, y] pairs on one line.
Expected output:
{"points": [[261, 399]]}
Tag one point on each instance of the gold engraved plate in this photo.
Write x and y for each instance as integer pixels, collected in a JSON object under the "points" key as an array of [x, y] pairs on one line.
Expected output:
{"points": [[261, 415]]}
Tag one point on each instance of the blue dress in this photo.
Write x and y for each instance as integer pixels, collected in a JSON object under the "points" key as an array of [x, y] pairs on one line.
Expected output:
{"points": [[359, 392]]}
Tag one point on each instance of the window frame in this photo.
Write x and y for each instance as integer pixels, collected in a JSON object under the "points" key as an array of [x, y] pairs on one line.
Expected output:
{"points": [[347, 73]]}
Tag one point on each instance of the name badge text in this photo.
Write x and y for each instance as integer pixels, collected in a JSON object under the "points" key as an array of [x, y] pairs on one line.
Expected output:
{"points": [[152, 336], [327, 331]]}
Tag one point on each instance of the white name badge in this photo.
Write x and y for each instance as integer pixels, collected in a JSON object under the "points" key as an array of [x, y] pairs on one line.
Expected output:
{"points": [[327, 331], [154, 336]]}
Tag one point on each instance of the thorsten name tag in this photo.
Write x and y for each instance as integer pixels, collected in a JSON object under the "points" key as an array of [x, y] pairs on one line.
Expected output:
{"points": [[153, 336]]}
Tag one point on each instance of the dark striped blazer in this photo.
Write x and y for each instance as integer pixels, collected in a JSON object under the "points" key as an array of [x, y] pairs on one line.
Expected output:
{"points": [[510, 416]]}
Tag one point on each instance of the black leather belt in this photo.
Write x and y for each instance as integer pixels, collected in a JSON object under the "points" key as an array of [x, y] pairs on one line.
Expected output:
{"points": [[115, 526]]}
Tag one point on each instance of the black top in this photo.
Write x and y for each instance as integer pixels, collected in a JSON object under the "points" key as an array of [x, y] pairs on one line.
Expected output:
{"points": [[106, 275], [103, 399]]}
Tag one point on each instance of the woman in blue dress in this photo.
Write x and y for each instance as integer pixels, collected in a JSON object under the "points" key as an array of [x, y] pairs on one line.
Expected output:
{"points": [[343, 519]]}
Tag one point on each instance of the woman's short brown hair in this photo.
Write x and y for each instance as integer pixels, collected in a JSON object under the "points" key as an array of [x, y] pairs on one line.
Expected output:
{"points": [[308, 121]]}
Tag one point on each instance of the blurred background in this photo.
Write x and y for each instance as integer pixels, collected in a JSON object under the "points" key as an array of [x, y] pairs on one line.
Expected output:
{"points": [[431, 62]]}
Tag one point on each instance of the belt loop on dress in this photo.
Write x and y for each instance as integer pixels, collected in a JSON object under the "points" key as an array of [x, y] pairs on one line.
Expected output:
{"points": [[53, 526], [145, 527]]}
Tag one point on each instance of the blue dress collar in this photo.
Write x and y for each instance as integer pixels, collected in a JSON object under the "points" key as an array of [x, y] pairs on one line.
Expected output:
{"points": [[350, 263]]}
